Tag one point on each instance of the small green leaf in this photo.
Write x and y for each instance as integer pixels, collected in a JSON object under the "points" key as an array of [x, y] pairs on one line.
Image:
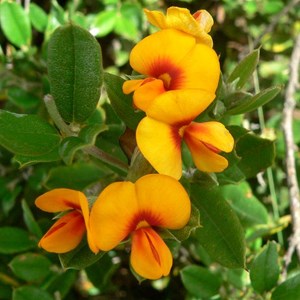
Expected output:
{"points": [[244, 69], [248, 208], [22, 98], [121, 103], [79, 258], [77, 176], [29, 293], [27, 135], [200, 282], [264, 270], [288, 290], [38, 17], [29, 220], [104, 23], [30, 266], [15, 23], [221, 234], [252, 103], [14, 240], [75, 72]]}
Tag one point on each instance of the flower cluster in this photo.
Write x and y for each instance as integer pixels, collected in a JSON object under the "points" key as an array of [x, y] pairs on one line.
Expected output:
{"points": [[181, 73]]}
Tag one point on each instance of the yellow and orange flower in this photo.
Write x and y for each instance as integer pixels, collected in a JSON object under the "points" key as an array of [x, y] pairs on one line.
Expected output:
{"points": [[137, 209], [197, 25], [160, 143], [181, 76], [68, 231]]}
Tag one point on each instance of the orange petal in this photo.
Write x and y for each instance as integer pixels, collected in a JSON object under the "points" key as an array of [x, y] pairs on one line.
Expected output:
{"points": [[212, 133], [205, 159], [161, 145], [113, 214], [181, 19], [161, 52], [150, 257], [144, 95], [59, 200], [65, 234], [163, 201], [179, 106], [130, 86]]}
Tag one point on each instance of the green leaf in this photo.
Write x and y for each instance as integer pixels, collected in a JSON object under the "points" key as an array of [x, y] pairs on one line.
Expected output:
{"points": [[14, 240], [27, 135], [126, 28], [77, 176], [30, 266], [15, 23], [79, 258], [104, 23], [264, 270], [252, 103], [29, 220], [221, 234], [38, 17], [244, 69], [121, 103], [248, 208], [288, 290], [29, 293], [249, 148], [200, 282], [75, 72], [22, 98]]}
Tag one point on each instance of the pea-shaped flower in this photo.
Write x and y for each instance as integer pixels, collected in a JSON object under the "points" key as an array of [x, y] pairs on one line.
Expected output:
{"points": [[68, 231], [138, 210], [181, 76], [197, 25]]}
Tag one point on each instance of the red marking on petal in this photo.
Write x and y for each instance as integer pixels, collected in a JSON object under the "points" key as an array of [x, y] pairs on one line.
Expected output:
{"points": [[211, 147], [153, 249], [71, 204], [54, 229], [197, 15]]}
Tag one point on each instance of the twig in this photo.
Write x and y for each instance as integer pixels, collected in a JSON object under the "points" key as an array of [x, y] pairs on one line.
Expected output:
{"points": [[287, 125]]}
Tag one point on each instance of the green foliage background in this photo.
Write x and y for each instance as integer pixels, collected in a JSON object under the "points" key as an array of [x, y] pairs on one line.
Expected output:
{"points": [[244, 211]]}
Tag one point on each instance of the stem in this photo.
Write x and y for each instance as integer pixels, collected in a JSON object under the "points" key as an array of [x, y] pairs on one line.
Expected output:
{"points": [[271, 184], [26, 5]]}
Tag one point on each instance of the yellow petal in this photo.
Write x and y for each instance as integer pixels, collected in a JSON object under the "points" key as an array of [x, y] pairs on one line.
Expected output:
{"points": [[197, 25], [161, 145], [163, 201], [205, 159], [150, 257], [65, 234], [212, 133], [59, 200], [130, 86], [113, 215], [179, 106], [161, 52], [145, 95]]}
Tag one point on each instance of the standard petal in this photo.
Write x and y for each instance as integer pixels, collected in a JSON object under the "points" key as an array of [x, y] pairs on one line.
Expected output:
{"points": [[161, 145], [200, 69], [65, 234], [150, 257], [161, 53], [211, 133], [113, 215], [205, 159], [179, 106], [163, 201], [59, 200]]}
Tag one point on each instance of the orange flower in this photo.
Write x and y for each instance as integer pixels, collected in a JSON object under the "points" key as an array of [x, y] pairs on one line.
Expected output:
{"points": [[181, 76], [197, 25], [68, 231], [137, 209], [160, 143]]}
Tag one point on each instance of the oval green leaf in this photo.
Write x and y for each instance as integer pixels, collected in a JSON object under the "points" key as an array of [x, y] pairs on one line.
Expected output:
{"points": [[264, 271], [27, 135], [221, 234], [104, 23], [15, 23], [288, 290], [30, 292], [30, 266], [38, 17], [75, 72]]}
